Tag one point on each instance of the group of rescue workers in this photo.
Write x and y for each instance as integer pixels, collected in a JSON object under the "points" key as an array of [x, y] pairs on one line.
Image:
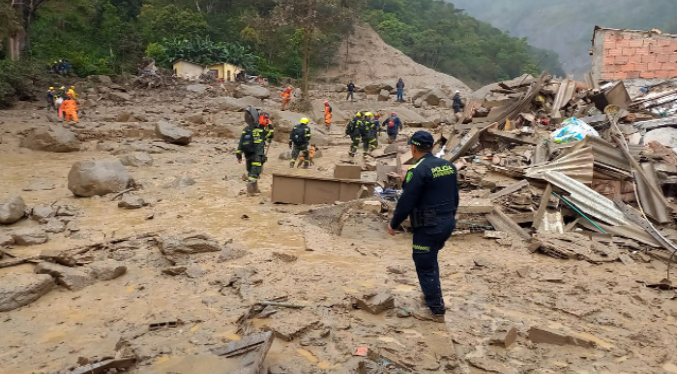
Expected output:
{"points": [[366, 127], [63, 102]]}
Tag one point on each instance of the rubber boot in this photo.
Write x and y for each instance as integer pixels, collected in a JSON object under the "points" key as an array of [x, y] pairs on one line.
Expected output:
{"points": [[291, 164], [252, 187]]}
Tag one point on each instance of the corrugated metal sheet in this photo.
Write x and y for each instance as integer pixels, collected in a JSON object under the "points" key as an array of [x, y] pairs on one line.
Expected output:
{"points": [[587, 200], [653, 207], [578, 165]]}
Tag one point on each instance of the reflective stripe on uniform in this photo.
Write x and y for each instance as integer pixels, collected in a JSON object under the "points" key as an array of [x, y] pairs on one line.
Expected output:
{"points": [[256, 164]]}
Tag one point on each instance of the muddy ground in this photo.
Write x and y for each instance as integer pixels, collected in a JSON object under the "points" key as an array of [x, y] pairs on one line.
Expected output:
{"points": [[608, 321]]}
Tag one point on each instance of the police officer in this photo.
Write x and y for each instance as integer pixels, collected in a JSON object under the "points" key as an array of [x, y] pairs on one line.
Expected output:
{"points": [[430, 199]]}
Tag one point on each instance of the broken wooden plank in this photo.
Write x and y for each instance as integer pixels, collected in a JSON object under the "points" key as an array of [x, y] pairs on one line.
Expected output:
{"points": [[254, 347], [542, 209], [103, 366], [510, 189], [502, 222], [504, 135], [475, 206]]}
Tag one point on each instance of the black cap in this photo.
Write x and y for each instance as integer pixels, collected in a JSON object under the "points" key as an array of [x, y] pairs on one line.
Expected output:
{"points": [[422, 139]]}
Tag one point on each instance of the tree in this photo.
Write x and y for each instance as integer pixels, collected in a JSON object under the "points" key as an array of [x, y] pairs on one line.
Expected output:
{"points": [[20, 39], [10, 23], [171, 22], [312, 18]]}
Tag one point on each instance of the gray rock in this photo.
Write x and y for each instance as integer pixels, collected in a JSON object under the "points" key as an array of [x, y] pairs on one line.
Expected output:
{"points": [[173, 134], [39, 186], [107, 270], [232, 251], [17, 290], [253, 91], [434, 96], [384, 95], [285, 257], [236, 105], [71, 278], [137, 159], [286, 155], [103, 79], [28, 237], [6, 239], [195, 271], [42, 212], [197, 118], [197, 88], [375, 303], [119, 96], [175, 248], [131, 202], [90, 178], [174, 270], [181, 182], [12, 210], [55, 225], [57, 256], [666, 136]]}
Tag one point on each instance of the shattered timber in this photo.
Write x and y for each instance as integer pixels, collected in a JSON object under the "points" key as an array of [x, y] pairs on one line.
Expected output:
{"points": [[128, 242]]}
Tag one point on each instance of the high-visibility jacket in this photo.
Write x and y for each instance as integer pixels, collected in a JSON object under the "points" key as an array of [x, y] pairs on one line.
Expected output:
{"points": [[69, 106]]}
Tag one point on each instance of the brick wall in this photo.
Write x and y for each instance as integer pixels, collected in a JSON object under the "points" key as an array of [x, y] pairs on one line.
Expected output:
{"points": [[637, 54]]}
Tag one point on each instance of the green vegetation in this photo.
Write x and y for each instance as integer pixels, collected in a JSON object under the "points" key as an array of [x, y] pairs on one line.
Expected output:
{"points": [[274, 38]]}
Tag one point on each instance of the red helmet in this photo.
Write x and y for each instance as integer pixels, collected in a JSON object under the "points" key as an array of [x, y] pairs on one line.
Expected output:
{"points": [[326, 103]]}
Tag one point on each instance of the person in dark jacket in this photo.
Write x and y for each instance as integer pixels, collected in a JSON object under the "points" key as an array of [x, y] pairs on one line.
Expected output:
{"points": [[430, 200], [458, 106], [50, 99], [351, 90], [393, 126], [400, 90]]}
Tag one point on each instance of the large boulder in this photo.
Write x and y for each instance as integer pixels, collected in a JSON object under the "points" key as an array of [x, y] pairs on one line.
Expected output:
{"points": [[407, 116], [255, 91], [236, 105], [384, 95], [376, 88], [89, 178], [284, 122], [71, 278], [17, 290], [173, 134], [103, 79], [107, 270], [53, 138], [434, 96], [137, 159], [199, 89], [27, 237], [177, 249], [12, 210]]}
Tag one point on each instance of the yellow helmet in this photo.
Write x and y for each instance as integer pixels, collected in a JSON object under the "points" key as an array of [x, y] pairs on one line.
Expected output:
{"points": [[305, 120], [358, 114], [51, 88], [73, 87], [369, 114]]}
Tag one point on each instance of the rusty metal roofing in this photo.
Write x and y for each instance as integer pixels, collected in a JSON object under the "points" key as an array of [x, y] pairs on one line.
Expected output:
{"points": [[578, 165], [587, 200]]}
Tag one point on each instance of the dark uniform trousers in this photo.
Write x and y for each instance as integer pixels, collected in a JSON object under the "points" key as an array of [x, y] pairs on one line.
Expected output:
{"points": [[428, 241]]}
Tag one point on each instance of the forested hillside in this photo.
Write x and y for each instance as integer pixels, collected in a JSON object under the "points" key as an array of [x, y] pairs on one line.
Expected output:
{"points": [[264, 36], [567, 25]]}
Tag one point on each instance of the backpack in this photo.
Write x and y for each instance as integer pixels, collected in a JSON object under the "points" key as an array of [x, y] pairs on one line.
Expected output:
{"points": [[330, 109], [247, 144], [391, 123], [251, 116], [298, 135]]}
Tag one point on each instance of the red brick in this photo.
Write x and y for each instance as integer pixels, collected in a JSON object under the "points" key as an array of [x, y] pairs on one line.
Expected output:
{"points": [[673, 58], [610, 44], [655, 48], [621, 60], [607, 75], [665, 42], [642, 67], [673, 73], [654, 66], [662, 58], [642, 51], [633, 75], [634, 59], [648, 58], [663, 74], [647, 75], [620, 75], [636, 43], [614, 52], [620, 44], [629, 51], [628, 67]]}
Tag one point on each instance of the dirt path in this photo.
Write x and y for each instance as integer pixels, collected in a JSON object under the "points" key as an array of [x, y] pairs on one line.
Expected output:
{"points": [[608, 320]]}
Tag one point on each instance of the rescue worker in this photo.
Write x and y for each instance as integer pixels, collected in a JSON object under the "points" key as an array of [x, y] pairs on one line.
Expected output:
{"points": [[369, 134], [299, 139], [458, 106], [253, 146], [353, 130], [393, 127], [430, 199], [286, 98], [327, 115], [400, 90], [50, 99], [73, 94], [60, 97], [351, 90], [70, 109]]}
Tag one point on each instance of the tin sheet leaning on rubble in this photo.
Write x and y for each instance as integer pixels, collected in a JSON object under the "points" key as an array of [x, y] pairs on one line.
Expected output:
{"points": [[578, 165], [587, 200]]}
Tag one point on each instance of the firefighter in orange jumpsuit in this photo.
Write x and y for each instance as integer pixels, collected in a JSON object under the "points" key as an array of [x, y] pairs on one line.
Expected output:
{"points": [[286, 98], [70, 109], [327, 115]]}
